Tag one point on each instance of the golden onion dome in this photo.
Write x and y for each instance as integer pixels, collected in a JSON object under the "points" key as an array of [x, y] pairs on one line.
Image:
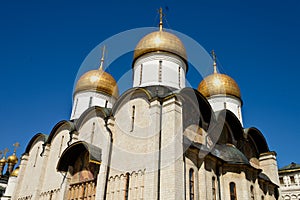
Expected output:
{"points": [[160, 41], [15, 172], [3, 161], [216, 84], [13, 159], [97, 80]]}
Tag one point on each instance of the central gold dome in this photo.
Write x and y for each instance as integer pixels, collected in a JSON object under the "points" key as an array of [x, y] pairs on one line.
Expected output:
{"points": [[97, 80], [216, 84], [160, 41]]}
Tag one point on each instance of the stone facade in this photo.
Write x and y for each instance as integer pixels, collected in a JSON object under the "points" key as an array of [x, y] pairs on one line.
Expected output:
{"points": [[151, 160], [289, 177]]}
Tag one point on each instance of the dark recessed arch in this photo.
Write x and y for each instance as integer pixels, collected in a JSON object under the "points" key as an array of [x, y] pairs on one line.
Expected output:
{"points": [[232, 123], [71, 153], [194, 102], [258, 139]]}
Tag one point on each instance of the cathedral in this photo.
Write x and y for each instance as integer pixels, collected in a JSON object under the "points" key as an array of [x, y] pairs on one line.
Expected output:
{"points": [[157, 140]]}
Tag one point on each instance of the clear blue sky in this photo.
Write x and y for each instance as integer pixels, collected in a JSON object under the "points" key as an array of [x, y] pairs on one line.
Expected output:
{"points": [[43, 43]]}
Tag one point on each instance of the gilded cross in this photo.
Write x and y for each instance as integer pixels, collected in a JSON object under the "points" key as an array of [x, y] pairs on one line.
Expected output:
{"points": [[5, 152], [16, 145], [214, 57], [160, 19], [102, 58]]}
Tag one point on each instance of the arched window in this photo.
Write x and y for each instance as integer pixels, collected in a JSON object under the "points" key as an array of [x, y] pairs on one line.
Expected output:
{"points": [[126, 187], [132, 118], [192, 184], [232, 191], [252, 192], [214, 192], [262, 197]]}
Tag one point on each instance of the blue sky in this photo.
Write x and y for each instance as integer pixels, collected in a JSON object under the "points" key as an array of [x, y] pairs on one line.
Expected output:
{"points": [[43, 43]]}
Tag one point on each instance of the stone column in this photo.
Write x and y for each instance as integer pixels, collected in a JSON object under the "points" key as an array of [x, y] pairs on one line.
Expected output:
{"points": [[172, 165], [23, 164], [151, 173], [268, 163], [101, 179], [37, 191]]}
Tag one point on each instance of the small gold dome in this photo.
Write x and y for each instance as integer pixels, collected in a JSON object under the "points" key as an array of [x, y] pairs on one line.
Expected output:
{"points": [[12, 159], [3, 161], [216, 84], [97, 80], [15, 172], [160, 41]]}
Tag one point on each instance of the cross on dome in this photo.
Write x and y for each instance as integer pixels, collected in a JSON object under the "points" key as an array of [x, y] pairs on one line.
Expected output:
{"points": [[214, 57], [161, 14], [102, 58], [16, 145], [6, 150]]}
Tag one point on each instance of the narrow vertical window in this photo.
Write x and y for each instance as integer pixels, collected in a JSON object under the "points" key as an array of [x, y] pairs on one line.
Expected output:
{"points": [[93, 132], [106, 102], [179, 82], [232, 191], [36, 156], [61, 144], [239, 112], [214, 192], [132, 118], [141, 74], [159, 71], [225, 106], [281, 180], [192, 184], [252, 192], [262, 198], [126, 195], [75, 107], [292, 179], [91, 101]]}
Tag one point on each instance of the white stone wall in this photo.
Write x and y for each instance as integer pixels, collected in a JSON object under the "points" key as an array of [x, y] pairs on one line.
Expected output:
{"points": [[242, 190], [55, 181], [135, 147], [83, 100], [135, 137], [9, 191], [221, 102], [117, 186], [147, 70], [29, 184], [172, 172]]}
